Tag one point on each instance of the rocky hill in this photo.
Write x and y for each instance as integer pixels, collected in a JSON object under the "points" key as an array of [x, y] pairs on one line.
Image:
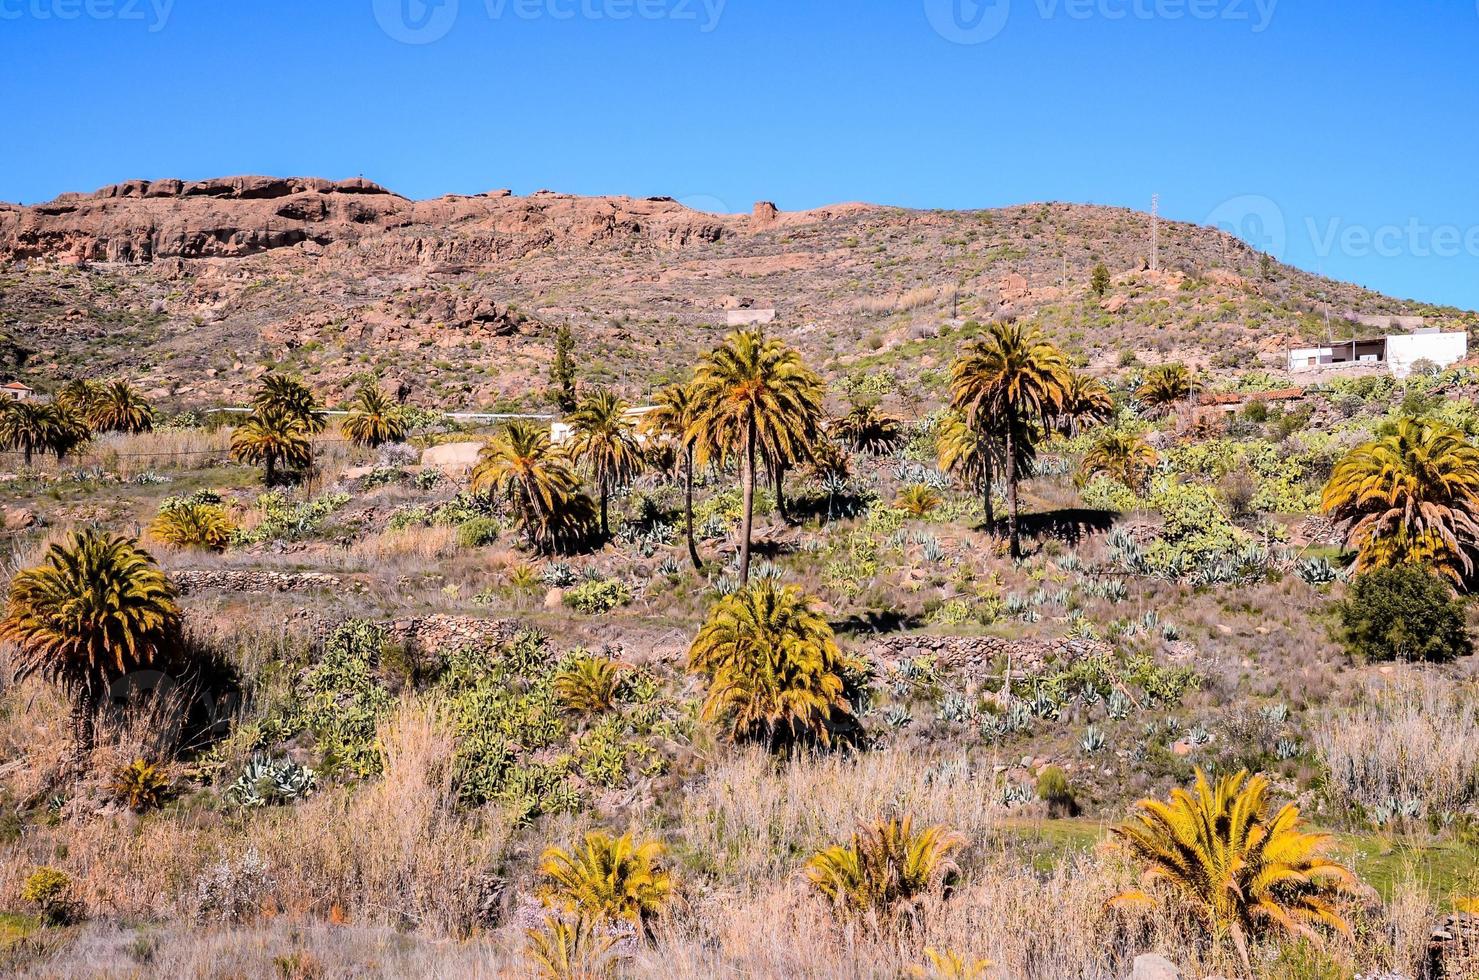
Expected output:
{"points": [[197, 287]]}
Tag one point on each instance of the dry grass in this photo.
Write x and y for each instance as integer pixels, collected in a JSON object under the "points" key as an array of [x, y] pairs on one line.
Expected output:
{"points": [[415, 546], [1416, 739]]}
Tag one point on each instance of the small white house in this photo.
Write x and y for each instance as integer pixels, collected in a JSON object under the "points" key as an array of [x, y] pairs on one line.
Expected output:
{"points": [[1399, 352]]}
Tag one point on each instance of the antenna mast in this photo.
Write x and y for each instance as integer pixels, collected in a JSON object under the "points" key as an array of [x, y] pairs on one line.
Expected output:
{"points": [[1155, 233]]}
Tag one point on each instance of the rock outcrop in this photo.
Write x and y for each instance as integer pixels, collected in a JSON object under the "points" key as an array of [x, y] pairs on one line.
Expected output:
{"points": [[232, 217], [1453, 951]]}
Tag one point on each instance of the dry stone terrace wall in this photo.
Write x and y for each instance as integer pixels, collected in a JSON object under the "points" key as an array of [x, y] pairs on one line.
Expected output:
{"points": [[440, 634], [978, 654], [252, 582]]}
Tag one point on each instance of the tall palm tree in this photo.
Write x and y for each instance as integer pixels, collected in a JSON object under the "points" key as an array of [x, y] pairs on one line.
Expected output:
{"points": [[30, 428], [78, 395], [373, 419], [1218, 852], [1010, 381], [670, 418], [1164, 386], [527, 469], [272, 437], [605, 439], [773, 666], [865, 429], [118, 407], [751, 394], [975, 456], [95, 608], [1086, 401], [293, 398], [1409, 497], [1120, 456]]}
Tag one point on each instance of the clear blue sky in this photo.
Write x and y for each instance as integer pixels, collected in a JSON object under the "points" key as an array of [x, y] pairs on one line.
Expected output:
{"points": [[1333, 120]]}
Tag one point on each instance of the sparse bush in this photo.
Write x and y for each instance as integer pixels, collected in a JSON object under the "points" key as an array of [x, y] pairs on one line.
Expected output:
{"points": [[232, 892], [478, 532], [1054, 789]]}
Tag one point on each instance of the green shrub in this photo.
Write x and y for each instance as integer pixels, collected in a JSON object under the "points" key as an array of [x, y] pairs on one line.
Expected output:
{"points": [[1054, 789], [593, 598], [1404, 613], [50, 891], [478, 532], [341, 701]]}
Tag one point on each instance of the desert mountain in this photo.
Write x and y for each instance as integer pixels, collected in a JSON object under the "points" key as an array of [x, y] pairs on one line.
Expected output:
{"points": [[194, 288]]}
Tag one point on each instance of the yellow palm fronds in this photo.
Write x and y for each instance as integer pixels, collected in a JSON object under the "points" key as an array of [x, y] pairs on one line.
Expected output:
{"points": [[608, 878]]}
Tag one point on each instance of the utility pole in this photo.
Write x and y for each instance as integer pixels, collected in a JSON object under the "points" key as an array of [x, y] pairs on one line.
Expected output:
{"points": [[1155, 233]]}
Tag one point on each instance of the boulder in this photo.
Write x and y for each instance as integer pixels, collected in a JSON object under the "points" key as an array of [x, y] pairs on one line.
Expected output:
{"points": [[453, 458], [1153, 966]]}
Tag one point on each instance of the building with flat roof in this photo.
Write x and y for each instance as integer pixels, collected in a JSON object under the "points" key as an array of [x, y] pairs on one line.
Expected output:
{"points": [[1399, 352]]}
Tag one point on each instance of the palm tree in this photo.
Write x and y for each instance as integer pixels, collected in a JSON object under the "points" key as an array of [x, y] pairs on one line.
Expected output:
{"points": [[588, 686], [774, 669], [754, 393], [1164, 386], [866, 430], [31, 427], [1408, 497], [579, 950], [77, 395], [970, 454], [523, 466], [887, 871], [95, 608], [671, 418], [1121, 456], [1217, 852], [293, 398], [117, 407], [271, 438], [1086, 401], [605, 441], [373, 420], [608, 878], [917, 500], [1010, 381], [193, 524]]}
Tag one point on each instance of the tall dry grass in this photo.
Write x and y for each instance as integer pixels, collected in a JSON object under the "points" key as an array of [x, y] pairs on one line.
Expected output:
{"points": [[1417, 738]]}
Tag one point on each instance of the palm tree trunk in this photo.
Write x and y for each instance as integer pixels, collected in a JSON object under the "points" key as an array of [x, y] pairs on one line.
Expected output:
{"points": [[748, 522], [270, 464], [605, 494], [698, 564], [1012, 529], [986, 492], [84, 718], [780, 491]]}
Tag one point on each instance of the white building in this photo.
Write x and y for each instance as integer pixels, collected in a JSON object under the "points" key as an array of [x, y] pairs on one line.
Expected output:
{"points": [[1399, 352]]}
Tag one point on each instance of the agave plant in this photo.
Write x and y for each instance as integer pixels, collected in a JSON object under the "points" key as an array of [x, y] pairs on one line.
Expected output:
{"points": [[887, 871], [271, 782], [141, 785]]}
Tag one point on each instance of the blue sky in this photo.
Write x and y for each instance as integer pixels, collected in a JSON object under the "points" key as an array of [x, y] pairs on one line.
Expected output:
{"points": [[1341, 135]]}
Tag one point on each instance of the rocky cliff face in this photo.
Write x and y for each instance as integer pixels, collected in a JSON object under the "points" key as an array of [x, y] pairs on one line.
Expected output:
{"points": [[143, 221]]}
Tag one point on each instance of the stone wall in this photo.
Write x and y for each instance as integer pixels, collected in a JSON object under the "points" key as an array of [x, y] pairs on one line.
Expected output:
{"points": [[976, 654], [430, 635], [253, 582], [1453, 952]]}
